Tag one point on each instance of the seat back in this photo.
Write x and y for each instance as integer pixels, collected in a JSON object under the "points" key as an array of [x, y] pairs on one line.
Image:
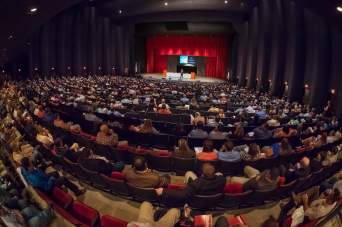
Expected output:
{"points": [[303, 183], [62, 198], [284, 190], [205, 202], [159, 161], [109, 221], [70, 166], [115, 186], [143, 194], [229, 168], [231, 200], [84, 213], [182, 165]]}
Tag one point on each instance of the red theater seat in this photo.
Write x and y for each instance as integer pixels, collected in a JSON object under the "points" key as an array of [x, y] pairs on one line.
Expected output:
{"points": [[61, 198], [85, 214], [109, 221]]}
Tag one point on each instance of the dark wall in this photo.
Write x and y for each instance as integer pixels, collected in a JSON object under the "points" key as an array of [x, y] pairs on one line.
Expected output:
{"points": [[79, 42], [281, 42]]}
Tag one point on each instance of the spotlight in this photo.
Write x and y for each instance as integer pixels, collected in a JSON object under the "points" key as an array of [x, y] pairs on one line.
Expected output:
{"points": [[306, 86], [339, 9], [33, 10], [226, 2], [36, 69], [10, 37], [333, 91], [120, 11], [166, 3], [19, 70]]}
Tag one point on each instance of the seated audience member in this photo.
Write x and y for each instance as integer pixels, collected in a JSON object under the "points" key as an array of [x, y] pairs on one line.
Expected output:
{"points": [[49, 116], [208, 152], [164, 110], [27, 215], [285, 132], [330, 157], [100, 164], [239, 132], [267, 152], [285, 147], [227, 152], [147, 127], [39, 179], [44, 137], [141, 176], [197, 132], [59, 123], [316, 163], [208, 184], [251, 153], [218, 134], [266, 180], [76, 129], [312, 203], [303, 168], [106, 136], [183, 150], [262, 132], [197, 118], [90, 116], [39, 112], [322, 140], [60, 148], [179, 130], [74, 153], [146, 217]]}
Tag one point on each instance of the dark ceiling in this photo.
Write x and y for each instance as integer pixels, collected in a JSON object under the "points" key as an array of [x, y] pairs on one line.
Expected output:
{"points": [[17, 24]]}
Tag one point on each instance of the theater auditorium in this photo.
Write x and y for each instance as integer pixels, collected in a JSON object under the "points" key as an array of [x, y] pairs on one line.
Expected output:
{"points": [[171, 113]]}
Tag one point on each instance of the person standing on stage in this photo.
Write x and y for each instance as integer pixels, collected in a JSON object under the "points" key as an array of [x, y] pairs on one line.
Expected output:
{"points": [[181, 74]]}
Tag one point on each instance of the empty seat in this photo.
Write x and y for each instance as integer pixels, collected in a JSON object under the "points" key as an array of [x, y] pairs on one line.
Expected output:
{"points": [[205, 202], [115, 186], [232, 200], [143, 194], [85, 214], [160, 161], [61, 198]]}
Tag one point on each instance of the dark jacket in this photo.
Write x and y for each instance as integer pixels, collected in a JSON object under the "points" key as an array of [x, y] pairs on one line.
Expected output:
{"points": [[200, 186], [315, 165], [303, 172], [98, 165]]}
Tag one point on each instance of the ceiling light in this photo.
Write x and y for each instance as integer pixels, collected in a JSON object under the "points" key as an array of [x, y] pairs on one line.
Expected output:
{"points": [[226, 2], [120, 11], [339, 9], [10, 37], [166, 3], [34, 9]]}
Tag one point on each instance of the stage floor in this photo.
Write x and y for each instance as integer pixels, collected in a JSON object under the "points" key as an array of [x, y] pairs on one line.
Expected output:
{"points": [[159, 76]]}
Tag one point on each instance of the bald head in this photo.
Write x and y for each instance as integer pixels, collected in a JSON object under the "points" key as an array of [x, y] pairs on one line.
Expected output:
{"points": [[139, 163], [305, 162]]}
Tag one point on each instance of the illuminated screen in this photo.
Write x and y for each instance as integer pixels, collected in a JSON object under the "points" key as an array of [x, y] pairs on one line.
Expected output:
{"points": [[183, 59]]}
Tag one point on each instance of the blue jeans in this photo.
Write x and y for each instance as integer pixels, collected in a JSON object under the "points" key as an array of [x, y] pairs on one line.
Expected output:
{"points": [[37, 218]]}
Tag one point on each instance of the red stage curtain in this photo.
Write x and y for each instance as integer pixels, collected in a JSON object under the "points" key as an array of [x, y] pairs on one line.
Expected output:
{"points": [[214, 47], [210, 67]]}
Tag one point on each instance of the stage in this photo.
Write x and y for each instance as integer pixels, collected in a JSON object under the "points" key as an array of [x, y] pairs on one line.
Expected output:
{"points": [[159, 76]]}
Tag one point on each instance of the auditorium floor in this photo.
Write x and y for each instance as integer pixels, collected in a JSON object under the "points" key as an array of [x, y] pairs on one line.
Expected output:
{"points": [[128, 210], [197, 79]]}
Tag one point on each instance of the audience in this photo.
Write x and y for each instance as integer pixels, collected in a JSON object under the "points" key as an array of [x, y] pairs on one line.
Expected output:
{"points": [[106, 136], [227, 152]]}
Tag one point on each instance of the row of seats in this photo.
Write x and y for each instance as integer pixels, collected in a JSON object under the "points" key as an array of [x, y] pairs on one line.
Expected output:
{"points": [[232, 196], [78, 213], [165, 162]]}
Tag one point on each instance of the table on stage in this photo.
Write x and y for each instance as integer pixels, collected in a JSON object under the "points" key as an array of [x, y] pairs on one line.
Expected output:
{"points": [[176, 76]]}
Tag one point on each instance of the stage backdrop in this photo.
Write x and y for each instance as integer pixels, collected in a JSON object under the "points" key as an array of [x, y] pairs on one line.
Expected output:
{"points": [[213, 47]]}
